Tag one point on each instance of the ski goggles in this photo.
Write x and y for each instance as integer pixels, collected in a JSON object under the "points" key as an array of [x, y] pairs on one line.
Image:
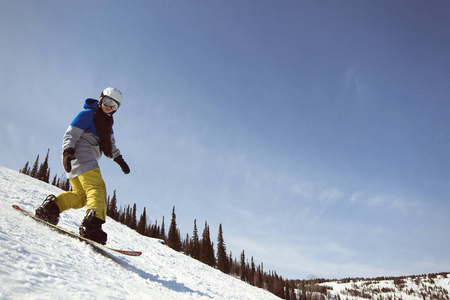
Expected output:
{"points": [[110, 102]]}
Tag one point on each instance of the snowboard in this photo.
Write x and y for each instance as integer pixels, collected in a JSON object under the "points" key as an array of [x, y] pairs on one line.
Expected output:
{"points": [[76, 236]]}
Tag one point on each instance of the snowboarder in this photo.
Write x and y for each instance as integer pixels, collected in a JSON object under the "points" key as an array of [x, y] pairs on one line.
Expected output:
{"points": [[89, 135]]}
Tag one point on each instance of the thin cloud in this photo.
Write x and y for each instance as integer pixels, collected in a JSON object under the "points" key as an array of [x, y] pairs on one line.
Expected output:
{"points": [[354, 84]]}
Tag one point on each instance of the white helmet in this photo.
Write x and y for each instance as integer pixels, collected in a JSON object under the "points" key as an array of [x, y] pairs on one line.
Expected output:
{"points": [[113, 93]]}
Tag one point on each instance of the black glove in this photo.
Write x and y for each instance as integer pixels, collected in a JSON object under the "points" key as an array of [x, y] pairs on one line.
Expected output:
{"points": [[122, 164], [68, 156]]}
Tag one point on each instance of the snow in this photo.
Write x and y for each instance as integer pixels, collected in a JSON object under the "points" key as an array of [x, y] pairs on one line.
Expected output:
{"points": [[412, 288], [39, 263]]}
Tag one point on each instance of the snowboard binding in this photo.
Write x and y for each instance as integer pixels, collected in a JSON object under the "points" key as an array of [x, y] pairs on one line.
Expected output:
{"points": [[48, 211], [91, 228]]}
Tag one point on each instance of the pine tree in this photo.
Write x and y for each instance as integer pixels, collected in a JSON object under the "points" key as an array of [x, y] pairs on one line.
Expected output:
{"points": [[47, 176], [186, 244], [112, 208], [207, 248], [26, 169], [259, 277], [66, 185], [148, 229], [142, 224], [121, 215], [173, 239], [279, 286], [222, 259], [43, 169], [34, 170], [195, 243], [162, 231], [243, 268], [231, 264], [289, 290], [158, 233], [60, 182], [133, 224], [54, 180], [128, 216], [252, 272], [152, 230]]}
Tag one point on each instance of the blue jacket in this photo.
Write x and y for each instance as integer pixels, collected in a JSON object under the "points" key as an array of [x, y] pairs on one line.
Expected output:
{"points": [[82, 136]]}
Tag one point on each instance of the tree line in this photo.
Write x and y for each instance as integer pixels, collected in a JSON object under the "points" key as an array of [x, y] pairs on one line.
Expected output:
{"points": [[202, 248], [198, 247], [42, 172]]}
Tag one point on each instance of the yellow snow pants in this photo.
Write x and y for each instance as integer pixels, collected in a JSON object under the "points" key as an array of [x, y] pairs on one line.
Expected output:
{"points": [[88, 189]]}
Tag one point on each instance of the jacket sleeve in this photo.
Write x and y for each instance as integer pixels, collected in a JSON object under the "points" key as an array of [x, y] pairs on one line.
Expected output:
{"points": [[71, 137], [115, 150]]}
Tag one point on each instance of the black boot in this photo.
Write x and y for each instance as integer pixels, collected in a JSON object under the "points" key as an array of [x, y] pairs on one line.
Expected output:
{"points": [[91, 228], [48, 211]]}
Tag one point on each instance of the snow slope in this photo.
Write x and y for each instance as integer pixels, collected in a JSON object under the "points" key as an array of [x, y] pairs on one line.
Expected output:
{"points": [[411, 288], [38, 263]]}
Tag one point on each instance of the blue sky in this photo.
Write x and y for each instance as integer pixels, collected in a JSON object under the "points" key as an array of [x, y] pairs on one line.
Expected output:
{"points": [[316, 132]]}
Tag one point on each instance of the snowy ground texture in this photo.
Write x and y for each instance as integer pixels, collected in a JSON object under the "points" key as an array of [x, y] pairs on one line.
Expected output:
{"points": [[38, 263], [431, 286]]}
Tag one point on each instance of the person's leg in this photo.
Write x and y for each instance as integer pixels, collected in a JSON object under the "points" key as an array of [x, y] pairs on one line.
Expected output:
{"points": [[72, 199], [54, 205], [95, 189]]}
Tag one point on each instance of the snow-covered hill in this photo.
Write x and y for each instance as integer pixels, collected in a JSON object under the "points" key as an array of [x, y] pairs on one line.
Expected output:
{"points": [[431, 286], [38, 263]]}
